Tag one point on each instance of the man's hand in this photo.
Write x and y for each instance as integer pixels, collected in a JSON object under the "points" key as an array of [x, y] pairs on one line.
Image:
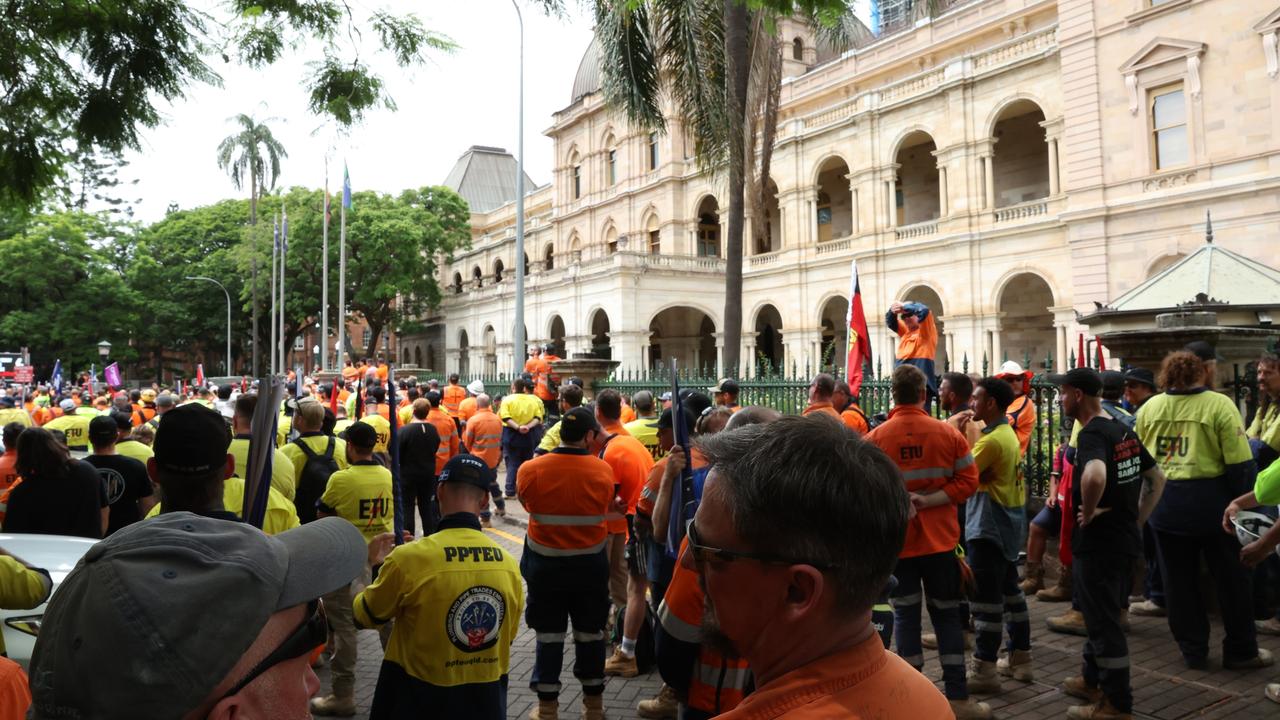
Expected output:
{"points": [[1254, 553], [618, 506], [524, 430], [675, 465], [380, 547], [1086, 519], [896, 308], [1228, 516]]}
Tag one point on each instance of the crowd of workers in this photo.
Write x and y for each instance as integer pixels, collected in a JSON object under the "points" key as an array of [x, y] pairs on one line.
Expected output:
{"points": [[715, 542]]}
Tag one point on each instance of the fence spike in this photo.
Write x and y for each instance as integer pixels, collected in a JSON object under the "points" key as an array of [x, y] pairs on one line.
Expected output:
{"points": [[964, 367]]}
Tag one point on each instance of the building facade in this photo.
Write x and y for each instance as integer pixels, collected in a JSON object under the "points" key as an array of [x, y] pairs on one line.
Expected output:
{"points": [[1007, 162]]}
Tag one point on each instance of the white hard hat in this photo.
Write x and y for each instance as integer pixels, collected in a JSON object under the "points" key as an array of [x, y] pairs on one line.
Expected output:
{"points": [[1252, 525], [1009, 367], [475, 387]]}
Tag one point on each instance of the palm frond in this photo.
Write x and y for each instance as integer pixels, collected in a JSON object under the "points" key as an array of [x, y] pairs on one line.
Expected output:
{"points": [[628, 62], [691, 49]]}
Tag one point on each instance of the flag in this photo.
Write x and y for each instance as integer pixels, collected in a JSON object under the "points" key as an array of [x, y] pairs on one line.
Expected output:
{"points": [[859, 347], [284, 230], [199, 374], [1081, 359], [683, 499], [1102, 361], [112, 375], [333, 397], [55, 379], [346, 187]]}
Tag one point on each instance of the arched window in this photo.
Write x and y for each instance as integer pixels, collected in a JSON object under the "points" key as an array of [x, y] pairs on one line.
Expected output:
{"points": [[611, 161], [654, 235], [477, 276], [457, 283], [611, 240], [653, 151], [549, 256], [797, 49], [497, 270], [576, 162]]}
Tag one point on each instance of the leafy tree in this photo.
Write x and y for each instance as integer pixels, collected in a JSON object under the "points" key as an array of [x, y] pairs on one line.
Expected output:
{"points": [[63, 295], [253, 153], [91, 75]]}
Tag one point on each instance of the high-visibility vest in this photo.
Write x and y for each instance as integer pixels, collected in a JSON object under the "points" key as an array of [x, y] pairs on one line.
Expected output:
{"points": [[483, 437], [448, 431], [452, 397], [567, 493]]}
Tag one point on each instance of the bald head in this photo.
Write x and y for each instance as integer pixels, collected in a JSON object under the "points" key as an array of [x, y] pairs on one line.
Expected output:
{"points": [[484, 401], [753, 415]]}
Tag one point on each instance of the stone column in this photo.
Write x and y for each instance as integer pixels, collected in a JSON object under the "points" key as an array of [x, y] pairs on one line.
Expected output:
{"points": [[748, 364], [627, 348], [944, 207], [856, 226], [811, 202], [1063, 318], [1054, 183], [719, 353], [989, 180], [453, 360], [890, 204]]}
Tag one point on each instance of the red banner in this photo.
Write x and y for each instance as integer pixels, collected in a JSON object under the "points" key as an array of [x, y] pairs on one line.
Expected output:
{"points": [[859, 346]]}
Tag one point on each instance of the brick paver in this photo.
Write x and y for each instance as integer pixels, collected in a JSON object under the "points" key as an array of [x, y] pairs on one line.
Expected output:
{"points": [[1163, 688]]}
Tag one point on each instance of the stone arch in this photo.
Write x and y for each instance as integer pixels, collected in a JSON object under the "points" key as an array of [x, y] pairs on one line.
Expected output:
{"points": [[431, 357], [902, 136], [599, 326], [768, 230], [999, 109], [998, 288], [770, 353], [490, 350], [918, 195], [1020, 158], [556, 333], [607, 134], [835, 199], [457, 283], [572, 157], [549, 257], [498, 267], [797, 48], [1027, 332], [924, 292], [464, 353], [575, 243], [651, 242], [417, 356], [686, 333], [1162, 263], [706, 216], [477, 276], [833, 311]]}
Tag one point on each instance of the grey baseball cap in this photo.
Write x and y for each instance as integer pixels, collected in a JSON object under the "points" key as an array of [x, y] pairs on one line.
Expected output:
{"points": [[153, 618]]}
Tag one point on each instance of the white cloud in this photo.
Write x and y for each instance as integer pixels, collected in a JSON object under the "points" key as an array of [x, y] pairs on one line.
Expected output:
{"points": [[444, 107]]}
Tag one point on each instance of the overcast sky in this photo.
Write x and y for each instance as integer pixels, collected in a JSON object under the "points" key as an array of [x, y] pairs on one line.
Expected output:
{"points": [[451, 103]]}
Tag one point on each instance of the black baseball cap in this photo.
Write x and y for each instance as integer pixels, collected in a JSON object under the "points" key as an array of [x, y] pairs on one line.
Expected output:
{"points": [[1203, 350], [695, 402], [665, 422], [103, 429], [575, 424], [124, 420], [360, 434], [466, 468], [192, 440], [1087, 380], [1140, 375], [1112, 380]]}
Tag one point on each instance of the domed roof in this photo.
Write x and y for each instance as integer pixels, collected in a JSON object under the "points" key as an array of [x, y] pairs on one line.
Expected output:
{"points": [[587, 80]]}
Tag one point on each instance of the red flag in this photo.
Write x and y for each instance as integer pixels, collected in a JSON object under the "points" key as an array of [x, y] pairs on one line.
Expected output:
{"points": [[333, 397], [244, 384], [199, 374], [1081, 361], [1102, 361], [859, 349]]}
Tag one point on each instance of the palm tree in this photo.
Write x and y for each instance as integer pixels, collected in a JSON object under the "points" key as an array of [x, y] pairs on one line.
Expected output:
{"points": [[717, 61], [252, 153]]}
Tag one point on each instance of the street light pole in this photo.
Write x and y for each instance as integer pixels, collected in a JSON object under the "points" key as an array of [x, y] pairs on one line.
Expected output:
{"points": [[518, 343], [224, 292]]}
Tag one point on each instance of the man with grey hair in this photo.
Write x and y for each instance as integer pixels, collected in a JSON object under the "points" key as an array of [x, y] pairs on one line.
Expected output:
{"points": [[790, 582], [645, 427]]}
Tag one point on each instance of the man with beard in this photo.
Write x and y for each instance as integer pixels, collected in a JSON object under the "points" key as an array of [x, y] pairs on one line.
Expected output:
{"points": [[790, 581]]}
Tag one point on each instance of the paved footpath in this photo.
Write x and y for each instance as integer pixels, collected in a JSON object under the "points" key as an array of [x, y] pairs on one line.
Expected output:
{"points": [[1163, 687]]}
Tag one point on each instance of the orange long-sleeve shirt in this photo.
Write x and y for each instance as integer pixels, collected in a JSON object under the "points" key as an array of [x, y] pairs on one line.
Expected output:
{"points": [[567, 493], [1022, 417], [448, 437], [483, 437], [631, 462]]}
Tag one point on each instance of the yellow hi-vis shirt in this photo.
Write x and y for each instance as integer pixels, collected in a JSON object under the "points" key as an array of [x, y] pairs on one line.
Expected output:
{"points": [[645, 430], [75, 427], [15, 414], [282, 472], [318, 442], [550, 438], [1266, 426], [281, 515], [456, 598], [136, 450], [22, 588], [521, 407], [381, 426], [1193, 436], [361, 495]]}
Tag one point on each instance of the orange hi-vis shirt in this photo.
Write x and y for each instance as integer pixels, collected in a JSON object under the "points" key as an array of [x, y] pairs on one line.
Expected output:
{"points": [[717, 684], [567, 493], [932, 456], [451, 398], [824, 408], [467, 409], [8, 471], [448, 437], [541, 373], [628, 414], [854, 419], [918, 344], [653, 483], [483, 437], [631, 462], [865, 682], [1022, 418]]}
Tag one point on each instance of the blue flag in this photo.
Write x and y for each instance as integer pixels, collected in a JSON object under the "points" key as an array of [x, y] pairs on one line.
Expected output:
{"points": [[346, 187], [284, 232], [275, 233], [55, 380]]}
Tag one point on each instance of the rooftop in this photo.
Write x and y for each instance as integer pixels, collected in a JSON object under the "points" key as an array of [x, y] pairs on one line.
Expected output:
{"points": [[486, 178], [1212, 271]]}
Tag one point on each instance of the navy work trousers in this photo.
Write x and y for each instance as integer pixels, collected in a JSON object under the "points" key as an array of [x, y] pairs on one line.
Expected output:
{"points": [[563, 589]]}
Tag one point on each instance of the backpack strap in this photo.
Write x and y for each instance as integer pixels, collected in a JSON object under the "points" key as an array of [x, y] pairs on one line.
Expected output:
{"points": [[306, 449], [606, 445]]}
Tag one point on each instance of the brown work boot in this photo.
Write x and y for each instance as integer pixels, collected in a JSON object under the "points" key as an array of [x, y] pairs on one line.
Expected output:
{"points": [[663, 706], [982, 678], [970, 709], [593, 707], [1016, 665], [1075, 686], [546, 710], [621, 665], [1101, 710], [1061, 590], [929, 641], [1032, 578], [1070, 622], [332, 705]]}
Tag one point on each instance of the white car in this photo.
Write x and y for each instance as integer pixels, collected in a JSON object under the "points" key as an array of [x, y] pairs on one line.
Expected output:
{"points": [[56, 553]]}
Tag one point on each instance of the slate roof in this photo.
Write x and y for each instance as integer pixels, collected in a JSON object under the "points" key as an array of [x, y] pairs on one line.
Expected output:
{"points": [[1212, 270], [486, 178]]}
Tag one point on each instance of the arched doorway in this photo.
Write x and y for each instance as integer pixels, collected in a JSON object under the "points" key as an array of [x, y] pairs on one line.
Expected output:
{"points": [[1026, 325], [490, 351], [600, 336], [556, 334], [431, 358], [769, 352], [835, 201], [917, 198], [464, 352], [835, 335], [708, 243], [1020, 160], [928, 296], [686, 334], [767, 231], [417, 356], [549, 257]]}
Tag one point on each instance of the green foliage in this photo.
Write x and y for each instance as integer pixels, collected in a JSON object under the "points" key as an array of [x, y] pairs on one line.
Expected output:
{"points": [[253, 154], [344, 91], [62, 292]]}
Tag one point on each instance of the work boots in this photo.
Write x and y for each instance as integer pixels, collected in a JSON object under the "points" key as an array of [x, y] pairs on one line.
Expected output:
{"points": [[970, 709], [546, 710], [929, 641], [1070, 622], [621, 665], [1032, 578], [663, 706], [1060, 592], [1075, 686], [1016, 665], [982, 678], [332, 705], [593, 707], [1101, 710]]}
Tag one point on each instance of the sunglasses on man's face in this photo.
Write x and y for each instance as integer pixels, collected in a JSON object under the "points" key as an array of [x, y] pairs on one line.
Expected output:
{"points": [[703, 554], [308, 636]]}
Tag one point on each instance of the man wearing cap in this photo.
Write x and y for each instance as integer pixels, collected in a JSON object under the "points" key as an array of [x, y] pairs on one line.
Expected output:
{"points": [[546, 381], [283, 475], [147, 407], [326, 454], [130, 494], [917, 333], [74, 424], [850, 413], [725, 393], [1208, 355], [1139, 387], [377, 414], [567, 493], [467, 407], [570, 398], [456, 599], [118, 640], [483, 439], [522, 415], [1117, 486], [164, 403], [1022, 411], [645, 427], [361, 495]]}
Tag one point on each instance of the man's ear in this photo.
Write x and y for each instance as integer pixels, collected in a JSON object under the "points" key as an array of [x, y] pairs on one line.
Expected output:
{"points": [[151, 470], [805, 586], [231, 466]]}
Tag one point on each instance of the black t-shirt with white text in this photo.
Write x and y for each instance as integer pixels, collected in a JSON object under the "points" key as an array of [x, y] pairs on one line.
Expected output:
{"points": [[125, 481], [1118, 447]]}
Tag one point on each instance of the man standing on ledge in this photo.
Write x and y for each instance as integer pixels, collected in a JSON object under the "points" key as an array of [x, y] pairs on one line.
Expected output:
{"points": [[917, 338]]}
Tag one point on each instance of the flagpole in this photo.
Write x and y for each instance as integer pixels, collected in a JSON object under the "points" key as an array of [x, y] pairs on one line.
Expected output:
{"points": [[324, 272], [275, 254], [284, 254], [338, 365]]}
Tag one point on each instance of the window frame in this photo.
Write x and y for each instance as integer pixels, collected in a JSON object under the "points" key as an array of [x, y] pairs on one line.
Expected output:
{"points": [[611, 167], [1153, 132], [653, 150], [577, 181]]}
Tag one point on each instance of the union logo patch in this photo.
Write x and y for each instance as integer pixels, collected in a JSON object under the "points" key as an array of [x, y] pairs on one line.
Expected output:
{"points": [[475, 618]]}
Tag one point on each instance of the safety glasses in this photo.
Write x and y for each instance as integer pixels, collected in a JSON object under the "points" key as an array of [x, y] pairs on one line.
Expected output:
{"points": [[703, 554], [310, 635]]}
